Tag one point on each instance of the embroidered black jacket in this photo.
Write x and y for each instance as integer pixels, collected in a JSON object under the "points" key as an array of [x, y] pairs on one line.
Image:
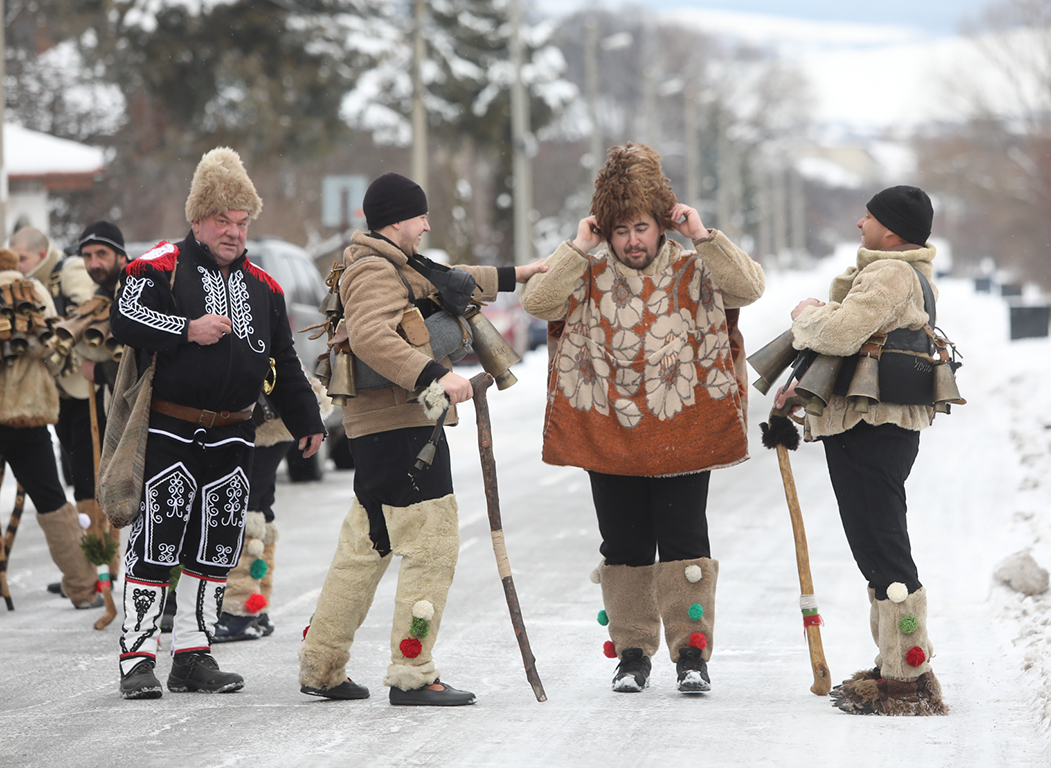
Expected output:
{"points": [[228, 375]]}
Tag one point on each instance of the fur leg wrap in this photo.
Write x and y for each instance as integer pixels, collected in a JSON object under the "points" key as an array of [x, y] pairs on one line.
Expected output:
{"points": [[200, 603], [244, 585], [344, 602], [906, 685], [629, 595], [63, 534], [427, 537], [686, 595]]}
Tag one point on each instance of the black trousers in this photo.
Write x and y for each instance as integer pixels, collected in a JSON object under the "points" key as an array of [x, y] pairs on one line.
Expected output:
{"points": [[74, 435], [868, 466], [639, 516], [385, 473], [263, 480], [29, 453], [194, 500]]}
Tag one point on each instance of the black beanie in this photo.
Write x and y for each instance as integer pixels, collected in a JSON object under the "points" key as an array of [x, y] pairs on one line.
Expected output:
{"points": [[392, 198], [104, 232], [905, 211]]}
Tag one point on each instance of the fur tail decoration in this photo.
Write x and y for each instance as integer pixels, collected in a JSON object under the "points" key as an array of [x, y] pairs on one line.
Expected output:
{"points": [[434, 401], [780, 431]]}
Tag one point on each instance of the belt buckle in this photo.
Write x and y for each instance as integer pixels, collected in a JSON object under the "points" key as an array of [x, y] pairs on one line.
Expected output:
{"points": [[211, 415]]}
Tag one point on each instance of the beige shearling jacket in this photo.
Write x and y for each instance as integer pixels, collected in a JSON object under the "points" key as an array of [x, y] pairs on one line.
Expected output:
{"points": [[28, 395], [879, 294], [374, 300]]}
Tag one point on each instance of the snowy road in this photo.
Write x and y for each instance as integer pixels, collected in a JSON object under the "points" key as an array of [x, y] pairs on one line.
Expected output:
{"points": [[60, 705]]}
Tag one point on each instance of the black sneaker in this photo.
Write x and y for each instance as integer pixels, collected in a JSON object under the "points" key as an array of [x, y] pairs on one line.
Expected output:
{"points": [[140, 682], [231, 628], [348, 689], [633, 672], [692, 671], [55, 588], [196, 671], [443, 696], [94, 602]]}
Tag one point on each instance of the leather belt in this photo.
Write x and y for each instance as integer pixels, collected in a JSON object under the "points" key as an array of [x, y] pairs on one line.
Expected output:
{"points": [[198, 416]]}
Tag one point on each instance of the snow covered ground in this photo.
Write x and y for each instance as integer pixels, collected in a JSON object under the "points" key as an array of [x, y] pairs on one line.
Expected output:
{"points": [[978, 493]]}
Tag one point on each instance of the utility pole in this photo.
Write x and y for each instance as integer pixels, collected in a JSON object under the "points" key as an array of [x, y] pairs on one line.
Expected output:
{"points": [[591, 72], [3, 117], [521, 146], [689, 129], [419, 112]]}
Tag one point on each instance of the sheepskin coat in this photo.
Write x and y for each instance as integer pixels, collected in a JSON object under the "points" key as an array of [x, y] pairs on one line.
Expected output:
{"points": [[374, 300], [28, 396], [649, 376], [881, 293]]}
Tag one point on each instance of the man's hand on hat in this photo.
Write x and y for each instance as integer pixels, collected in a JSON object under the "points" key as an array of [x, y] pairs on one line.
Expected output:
{"points": [[208, 329], [588, 236], [687, 222]]}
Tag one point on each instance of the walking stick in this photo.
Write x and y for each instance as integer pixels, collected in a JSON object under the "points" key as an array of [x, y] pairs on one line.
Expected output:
{"points": [[9, 536], [5, 590], [98, 544], [781, 434], [480, 383]]}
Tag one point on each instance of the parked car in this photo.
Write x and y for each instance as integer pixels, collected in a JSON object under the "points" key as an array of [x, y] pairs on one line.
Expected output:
{"points": [[304, 288], [510, 320]]}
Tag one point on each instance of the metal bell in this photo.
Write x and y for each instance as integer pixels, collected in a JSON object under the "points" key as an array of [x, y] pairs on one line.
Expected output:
{"points": [[494, 353], [341, 383], [818, 382], [772, 360], [946, 392], [864, 384]]}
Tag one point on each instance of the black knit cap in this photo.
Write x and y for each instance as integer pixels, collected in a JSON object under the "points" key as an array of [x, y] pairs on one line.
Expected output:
{"points": [[392, 198], [905, 211], [104, 232]]}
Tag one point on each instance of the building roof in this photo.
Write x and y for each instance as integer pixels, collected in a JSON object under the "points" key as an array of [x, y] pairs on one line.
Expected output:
{"points": [[58, 163]]}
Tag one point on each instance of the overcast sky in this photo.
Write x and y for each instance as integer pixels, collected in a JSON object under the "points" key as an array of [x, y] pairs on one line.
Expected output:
{"points": [[939, 17]]}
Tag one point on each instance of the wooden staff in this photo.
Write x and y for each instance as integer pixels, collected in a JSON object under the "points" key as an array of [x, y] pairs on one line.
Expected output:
{"points": [[781, 434], [9, 536], [480, 383], [5, 590], [98, 543]]}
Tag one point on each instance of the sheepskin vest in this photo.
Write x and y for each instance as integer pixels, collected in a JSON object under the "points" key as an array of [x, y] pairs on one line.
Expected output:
{"points": [[644, 381]]}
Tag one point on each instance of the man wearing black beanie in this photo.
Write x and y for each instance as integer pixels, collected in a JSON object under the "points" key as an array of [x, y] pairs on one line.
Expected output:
{"points": [[882, 303], [391, 299]]}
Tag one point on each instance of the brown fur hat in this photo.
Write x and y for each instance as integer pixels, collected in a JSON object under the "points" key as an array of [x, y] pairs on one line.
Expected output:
{"points": [[221, 183], [629, 184], [8, 259]]}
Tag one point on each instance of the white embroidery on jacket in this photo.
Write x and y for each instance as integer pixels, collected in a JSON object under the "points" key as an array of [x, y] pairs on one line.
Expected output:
{"points": [[241, 312], [214, 292], [132, 308]]}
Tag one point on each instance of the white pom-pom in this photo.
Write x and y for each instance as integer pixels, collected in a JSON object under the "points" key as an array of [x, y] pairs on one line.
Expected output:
{"points": [[255, 525], [595, 576], [84, 520], [423, 609], [897, 592], [254, 547], [694, 573]]}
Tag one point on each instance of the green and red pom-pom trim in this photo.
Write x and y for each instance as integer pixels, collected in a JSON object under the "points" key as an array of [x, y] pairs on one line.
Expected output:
{"points": [[696, 611], [422, 613], [915, 656], [698, 640], [603, 618], [410, 647], [258, 569], [908, 624], [609, 650], [255, 603]]}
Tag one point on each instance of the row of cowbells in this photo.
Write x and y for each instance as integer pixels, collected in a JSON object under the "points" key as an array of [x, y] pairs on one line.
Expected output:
{"points": [[87, 332], [818, 382]]}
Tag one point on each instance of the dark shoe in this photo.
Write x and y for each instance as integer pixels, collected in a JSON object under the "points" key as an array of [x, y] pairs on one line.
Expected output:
{"points": [[692, 671], [231, 628], [55, 588], [264, 623], [140, 682], [95, 602], [443, 696], [633, 672], [197, 671], [348, 689]]}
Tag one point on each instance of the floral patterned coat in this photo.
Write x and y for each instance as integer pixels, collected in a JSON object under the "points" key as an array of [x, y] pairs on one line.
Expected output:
{"points": [[648, 378]]}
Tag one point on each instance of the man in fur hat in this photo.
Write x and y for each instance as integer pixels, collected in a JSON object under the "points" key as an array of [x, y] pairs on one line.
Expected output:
{"points": [[386, 289], [29, 401], [647, 394], [870, 454], [217, 327]]}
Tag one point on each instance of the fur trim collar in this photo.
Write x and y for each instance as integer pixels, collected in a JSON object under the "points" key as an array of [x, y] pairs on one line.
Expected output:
{"points": [[916, 256], [374, 245]]}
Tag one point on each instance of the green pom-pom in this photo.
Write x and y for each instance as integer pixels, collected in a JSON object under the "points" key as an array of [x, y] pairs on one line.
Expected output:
{"points": [[909, 624], [258, 569], [696, 611], [603, 619], [419, 628]]}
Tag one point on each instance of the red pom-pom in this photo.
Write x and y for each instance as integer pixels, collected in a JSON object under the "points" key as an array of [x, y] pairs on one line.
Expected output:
{"points": [[410, 647], [915, 656], [609, 650], [698, 640], [255, 603], [305, 630]]}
